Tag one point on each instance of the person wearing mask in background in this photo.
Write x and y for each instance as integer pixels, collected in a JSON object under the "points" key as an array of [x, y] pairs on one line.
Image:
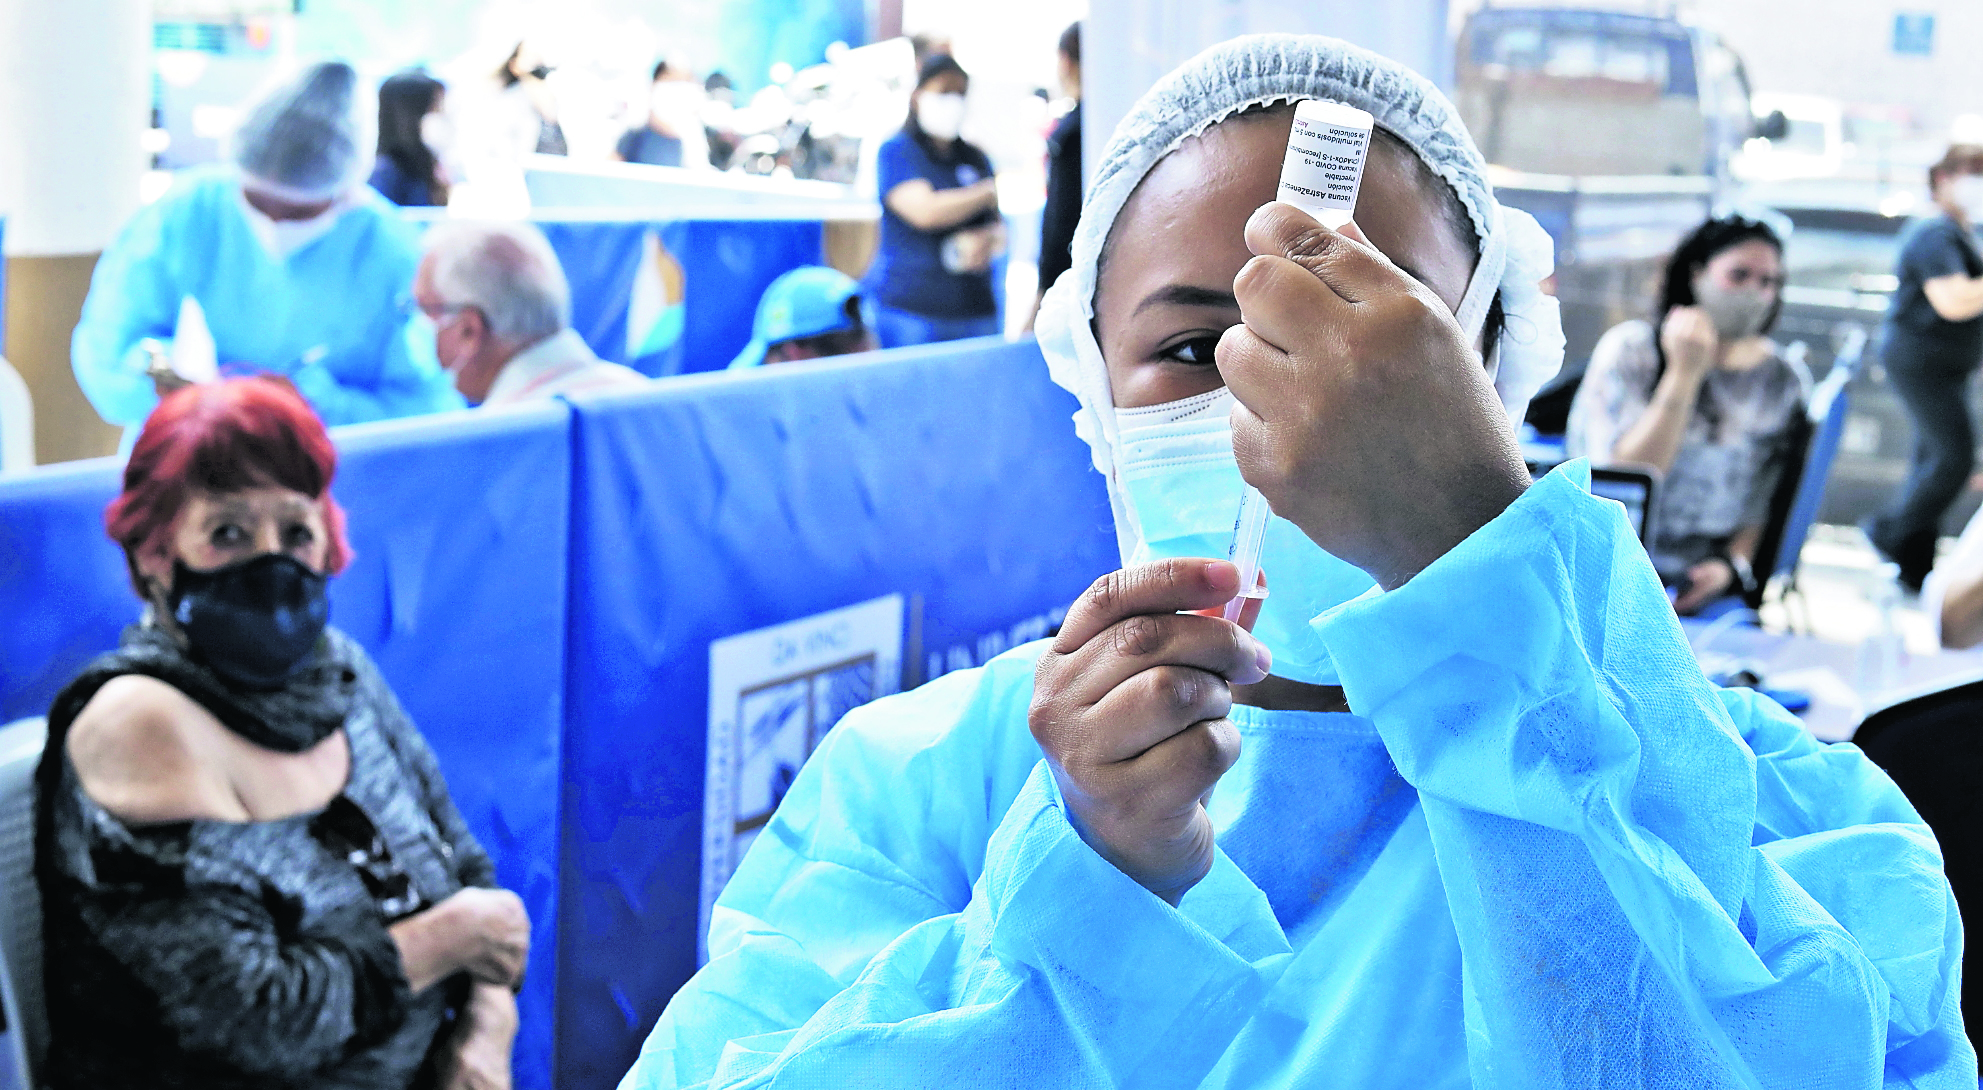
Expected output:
{"points": [[1702, 396], [1063, 205], [809, 313], [1931, 343], [671, 136], [415, 136], [529, 107], [931, 279], [286, 258], [251, 871], [1460, 809], [496, 310]]}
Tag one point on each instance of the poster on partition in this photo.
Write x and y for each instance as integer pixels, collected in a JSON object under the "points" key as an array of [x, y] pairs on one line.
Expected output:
{"points": [[773, 695]]}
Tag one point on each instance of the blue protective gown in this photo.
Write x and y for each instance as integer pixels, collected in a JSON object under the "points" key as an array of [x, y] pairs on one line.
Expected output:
{"points": [[1542, 852], [328, 317]]}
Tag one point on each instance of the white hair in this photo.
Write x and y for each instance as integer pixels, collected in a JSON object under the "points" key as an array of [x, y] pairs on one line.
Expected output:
{"points": [[508, 271]]}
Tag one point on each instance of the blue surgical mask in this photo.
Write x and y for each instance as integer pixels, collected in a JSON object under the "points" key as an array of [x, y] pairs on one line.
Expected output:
{"points": [[1176, 467]]}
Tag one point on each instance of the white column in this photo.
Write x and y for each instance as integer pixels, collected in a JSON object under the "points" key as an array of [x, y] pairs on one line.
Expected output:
{"points": [[75, 100], [1137, 41], [75, 97]]}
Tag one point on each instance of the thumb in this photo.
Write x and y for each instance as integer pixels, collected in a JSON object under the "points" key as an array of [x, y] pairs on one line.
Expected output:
{"points": [[1343, 260]]}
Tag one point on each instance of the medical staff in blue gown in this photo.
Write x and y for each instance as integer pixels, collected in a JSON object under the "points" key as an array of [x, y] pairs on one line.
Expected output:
{"points": [[1460, 811], [296, 265]]}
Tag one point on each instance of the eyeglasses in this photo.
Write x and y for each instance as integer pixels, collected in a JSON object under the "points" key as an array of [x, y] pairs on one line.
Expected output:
{"points": [[407, 306]]}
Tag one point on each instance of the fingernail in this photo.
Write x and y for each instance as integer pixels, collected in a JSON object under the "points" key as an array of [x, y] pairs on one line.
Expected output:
{"points": [[1222, 576], [1264, 657]]}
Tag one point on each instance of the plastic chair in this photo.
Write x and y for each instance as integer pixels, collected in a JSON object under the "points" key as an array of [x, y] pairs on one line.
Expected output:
{"points": [[1801, 491], [20, 897], [1932, 745], [16, 421]]}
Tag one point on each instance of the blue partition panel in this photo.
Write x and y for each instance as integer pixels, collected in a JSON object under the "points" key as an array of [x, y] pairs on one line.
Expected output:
{"points": [[707, 507], [458, 589], [460, 524], [63, 584], [685, 304]]}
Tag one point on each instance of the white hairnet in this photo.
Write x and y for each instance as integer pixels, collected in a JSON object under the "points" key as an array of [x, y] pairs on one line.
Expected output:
{"points": [[310, 138], [1264, 69]]}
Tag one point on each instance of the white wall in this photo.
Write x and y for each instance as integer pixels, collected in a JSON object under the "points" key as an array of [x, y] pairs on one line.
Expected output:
{"points": [[1130, 44], [1843, 49]]}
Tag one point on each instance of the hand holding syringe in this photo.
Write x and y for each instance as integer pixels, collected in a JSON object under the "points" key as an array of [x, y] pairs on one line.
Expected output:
{"points": [[1321, 175]]}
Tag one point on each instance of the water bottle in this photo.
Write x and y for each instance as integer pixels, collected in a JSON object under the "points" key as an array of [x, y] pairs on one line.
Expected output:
{"points": [[1881, 652]]}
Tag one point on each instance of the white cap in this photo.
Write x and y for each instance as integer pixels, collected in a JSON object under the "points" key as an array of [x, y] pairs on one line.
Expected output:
{"points": [[309, 139]]}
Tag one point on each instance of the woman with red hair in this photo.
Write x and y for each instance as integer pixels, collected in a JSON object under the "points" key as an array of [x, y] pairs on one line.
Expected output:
{"points": [[251, 872]]}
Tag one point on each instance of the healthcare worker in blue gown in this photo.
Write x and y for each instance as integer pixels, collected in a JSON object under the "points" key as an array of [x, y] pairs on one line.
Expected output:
{"points": [[1460, 811], [296, 265]]}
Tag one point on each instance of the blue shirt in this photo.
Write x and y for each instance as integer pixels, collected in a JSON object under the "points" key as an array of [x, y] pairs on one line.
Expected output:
{"points": [[400, 187], [327, 317], [908, 272], [644, 145]]}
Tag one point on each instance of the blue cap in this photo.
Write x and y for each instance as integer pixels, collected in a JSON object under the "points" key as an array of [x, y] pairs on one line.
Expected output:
{"points": [[806, 302]]}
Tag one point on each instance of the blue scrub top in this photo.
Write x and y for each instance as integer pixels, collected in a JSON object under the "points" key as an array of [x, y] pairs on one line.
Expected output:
{"points": [[908, 272], [327, 317]]}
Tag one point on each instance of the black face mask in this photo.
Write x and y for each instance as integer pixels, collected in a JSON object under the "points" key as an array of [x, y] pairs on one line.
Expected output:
{"points": [[252, 622]]}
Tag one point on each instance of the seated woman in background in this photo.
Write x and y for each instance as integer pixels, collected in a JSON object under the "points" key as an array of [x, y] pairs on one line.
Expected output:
{"points": [[414, 133], [251, 872], [1704, 398]]}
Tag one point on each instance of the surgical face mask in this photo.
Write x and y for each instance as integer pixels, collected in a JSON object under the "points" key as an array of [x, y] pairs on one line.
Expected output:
{"points": [[437, 132], [940, 113], [1176, 468], [252, 622], [282, 238], [674, 101], [1968, 191], [423, 335], [1735, 312]]}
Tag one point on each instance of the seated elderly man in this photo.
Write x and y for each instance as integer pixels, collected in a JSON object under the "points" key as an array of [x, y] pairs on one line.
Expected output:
{"points": [[501, 315], [808, 313]]}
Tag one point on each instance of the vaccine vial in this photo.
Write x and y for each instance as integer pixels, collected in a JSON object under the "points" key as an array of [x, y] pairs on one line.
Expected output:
{"points": [[1321, 175], [1324, 165]]}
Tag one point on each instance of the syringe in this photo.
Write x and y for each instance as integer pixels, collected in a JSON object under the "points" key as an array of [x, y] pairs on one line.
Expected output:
{"points": [[1321, 175]]}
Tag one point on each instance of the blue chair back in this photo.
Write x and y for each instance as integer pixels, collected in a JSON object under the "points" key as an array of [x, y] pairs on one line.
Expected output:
{"points": [[1826, 413]]}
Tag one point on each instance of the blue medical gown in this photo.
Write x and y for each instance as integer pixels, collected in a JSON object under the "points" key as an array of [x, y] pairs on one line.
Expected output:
{"points": [[1541, 852], [327, 317]]}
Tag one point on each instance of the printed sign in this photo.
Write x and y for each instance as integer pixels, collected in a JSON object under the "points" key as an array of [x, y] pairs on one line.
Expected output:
{"points": [[1914, 33], [773, 695]]}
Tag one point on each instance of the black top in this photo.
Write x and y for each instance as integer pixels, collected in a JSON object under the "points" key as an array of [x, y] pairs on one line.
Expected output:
{"points": [[226, 955], [1930, 248], [1063, 208], [908, 272]]}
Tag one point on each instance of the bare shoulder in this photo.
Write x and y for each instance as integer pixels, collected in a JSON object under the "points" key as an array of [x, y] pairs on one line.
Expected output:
{"points": [[144, 751], [1627, 348]]}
